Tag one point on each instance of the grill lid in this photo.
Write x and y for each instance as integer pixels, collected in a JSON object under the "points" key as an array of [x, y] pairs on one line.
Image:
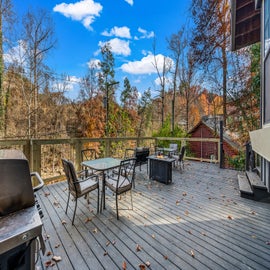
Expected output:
{"points": [[16, 190]]}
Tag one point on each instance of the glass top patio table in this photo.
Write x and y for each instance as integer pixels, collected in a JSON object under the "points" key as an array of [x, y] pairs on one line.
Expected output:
{"points": [[102, 165]]}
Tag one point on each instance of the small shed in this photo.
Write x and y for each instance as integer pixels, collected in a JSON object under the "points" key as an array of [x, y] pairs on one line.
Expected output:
{"points": [[207, 128]]}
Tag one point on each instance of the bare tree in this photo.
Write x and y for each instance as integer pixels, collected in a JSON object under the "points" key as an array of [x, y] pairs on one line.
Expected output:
{"points": [[162, 75], [176, 44], [89, 83], [211, 39], [38, 40], [6, 20], [189, 89]]}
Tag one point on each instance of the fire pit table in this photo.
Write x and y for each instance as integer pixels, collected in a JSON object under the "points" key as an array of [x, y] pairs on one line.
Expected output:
{"points": [[160, 168]]}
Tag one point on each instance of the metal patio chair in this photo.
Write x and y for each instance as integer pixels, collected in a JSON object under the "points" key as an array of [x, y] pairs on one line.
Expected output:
{"points": [[121, 182], [79, 186], [179, 159]]}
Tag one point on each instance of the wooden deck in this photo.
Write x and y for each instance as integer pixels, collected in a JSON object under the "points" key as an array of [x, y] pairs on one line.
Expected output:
{"points": [[197, 222]]}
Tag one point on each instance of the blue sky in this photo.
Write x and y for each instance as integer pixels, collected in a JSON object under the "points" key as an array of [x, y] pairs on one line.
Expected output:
{"points": [[130, 26]]}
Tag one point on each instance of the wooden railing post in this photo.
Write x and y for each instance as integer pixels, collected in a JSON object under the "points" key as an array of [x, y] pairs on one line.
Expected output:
{"points": [[27, 151], [36, 156], [77, 144], [107, 147]]}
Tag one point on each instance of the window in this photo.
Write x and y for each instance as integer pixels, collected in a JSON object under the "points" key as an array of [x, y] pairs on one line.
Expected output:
{"points": [[267, 89], [266, 26]]}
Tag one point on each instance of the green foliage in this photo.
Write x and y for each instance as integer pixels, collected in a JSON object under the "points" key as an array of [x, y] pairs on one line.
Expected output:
{"points": [[237, 162], [256, 70], [166, 131]]}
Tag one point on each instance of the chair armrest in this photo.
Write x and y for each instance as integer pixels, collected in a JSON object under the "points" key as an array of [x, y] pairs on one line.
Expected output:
{"points": [[79, 173], [112, 178], [87, 178]]}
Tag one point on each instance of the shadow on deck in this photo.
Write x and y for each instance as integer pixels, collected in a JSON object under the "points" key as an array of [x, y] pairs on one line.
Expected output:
{"points": [[197, 222]]}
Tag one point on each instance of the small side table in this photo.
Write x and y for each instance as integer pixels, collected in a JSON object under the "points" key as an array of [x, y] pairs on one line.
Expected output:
{"points": [[160, 169]]}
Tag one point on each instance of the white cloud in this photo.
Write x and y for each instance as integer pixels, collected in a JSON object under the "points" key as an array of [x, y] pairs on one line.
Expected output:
{"points": [[146, 65], [129, 2], [167, 81], [84, 11], [118, 46], [16, 54], [68, 83], [144, 34], [123, 32], [94, 63]]}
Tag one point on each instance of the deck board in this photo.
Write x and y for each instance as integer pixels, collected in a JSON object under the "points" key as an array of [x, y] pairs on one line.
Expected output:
{"points": [[200, 212]]}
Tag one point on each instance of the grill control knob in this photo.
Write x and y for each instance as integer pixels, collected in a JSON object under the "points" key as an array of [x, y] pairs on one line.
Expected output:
{"points": [[25, 236]]}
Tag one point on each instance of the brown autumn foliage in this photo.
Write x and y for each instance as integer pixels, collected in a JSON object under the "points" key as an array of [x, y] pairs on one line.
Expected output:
{"points": [[60, 118]]}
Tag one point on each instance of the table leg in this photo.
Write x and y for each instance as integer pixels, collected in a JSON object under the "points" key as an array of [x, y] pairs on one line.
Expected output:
{"points": [[102, 204]]}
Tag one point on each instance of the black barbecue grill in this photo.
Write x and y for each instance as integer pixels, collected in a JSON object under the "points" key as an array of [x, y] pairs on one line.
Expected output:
{"points": [[20, 214]]}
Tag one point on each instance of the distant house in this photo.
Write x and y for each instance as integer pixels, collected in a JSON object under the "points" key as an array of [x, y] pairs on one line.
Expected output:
{"points": [[209, 127], [250, 23]]}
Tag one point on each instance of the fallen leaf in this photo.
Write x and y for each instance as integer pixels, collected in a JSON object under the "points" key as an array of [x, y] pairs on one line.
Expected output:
{"points": [[230, 217], [124, 265], [56, 203], [113, 242], [46, 236], [203, 233], [267, 243], [57, 246], [48, 263], [178, 217], [253, 213], [108, 243], [177, 202], [165, 257], [192, 253], [254, 236], [95, 230], [105, 253], [49, 253], [87, 219], [57, 258], [46, 194], [153, 236], [184, 194], [190, 232], [64, 222], [186, 213], [138, 248], [148, 264], [142, 266]]}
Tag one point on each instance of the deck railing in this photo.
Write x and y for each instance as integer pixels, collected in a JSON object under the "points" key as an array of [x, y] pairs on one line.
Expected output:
{"points": [[45, 155]]}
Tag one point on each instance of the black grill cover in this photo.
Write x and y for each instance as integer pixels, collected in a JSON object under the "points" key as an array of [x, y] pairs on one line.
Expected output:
{"points": [[16, 190]]}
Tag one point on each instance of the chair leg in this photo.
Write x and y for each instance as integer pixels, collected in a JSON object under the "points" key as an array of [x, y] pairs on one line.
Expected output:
{"points": [[74, 211], [98, 201], [67, 201], [133, 180], [131, 199], [116, 202]]}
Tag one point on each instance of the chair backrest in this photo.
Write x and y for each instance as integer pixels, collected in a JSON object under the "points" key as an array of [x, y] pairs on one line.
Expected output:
{"points": [[141, 154], [71, 176], [88, 154], [182, 153], [126, 172], [173, 146]]}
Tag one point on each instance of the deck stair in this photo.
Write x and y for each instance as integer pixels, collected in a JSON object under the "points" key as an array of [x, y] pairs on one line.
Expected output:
{"points": [[251, 186]]}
